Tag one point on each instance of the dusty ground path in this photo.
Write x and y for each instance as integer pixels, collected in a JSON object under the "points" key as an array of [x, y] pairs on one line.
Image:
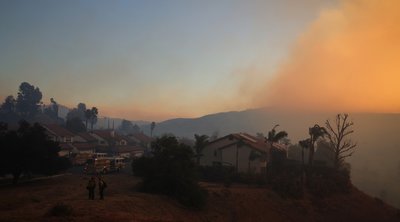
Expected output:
{"points": [[32, 202]]}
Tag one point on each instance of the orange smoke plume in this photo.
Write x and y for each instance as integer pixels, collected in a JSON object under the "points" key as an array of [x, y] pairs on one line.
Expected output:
{"points": [[347, 60]]}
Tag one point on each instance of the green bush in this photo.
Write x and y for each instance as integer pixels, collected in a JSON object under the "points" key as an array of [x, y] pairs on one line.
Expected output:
{"points": [[170, 170]]}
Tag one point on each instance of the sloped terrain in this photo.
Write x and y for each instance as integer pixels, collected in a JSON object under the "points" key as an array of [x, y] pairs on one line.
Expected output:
{"points": [[34, 201]]}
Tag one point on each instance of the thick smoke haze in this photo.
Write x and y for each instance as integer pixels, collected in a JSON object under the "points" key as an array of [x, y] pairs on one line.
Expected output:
{"points": [[347, 60]]}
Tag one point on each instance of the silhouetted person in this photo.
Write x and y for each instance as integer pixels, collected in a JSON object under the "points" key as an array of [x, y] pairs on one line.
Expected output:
{"points": [[102, 186], [91, 186]]}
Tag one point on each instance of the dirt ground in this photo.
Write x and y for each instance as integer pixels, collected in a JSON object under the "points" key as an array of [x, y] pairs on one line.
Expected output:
{"points": [[33, 202]]}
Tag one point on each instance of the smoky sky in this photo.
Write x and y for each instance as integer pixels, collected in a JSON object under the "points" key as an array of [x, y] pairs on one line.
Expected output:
{"points": [[346, 60]]}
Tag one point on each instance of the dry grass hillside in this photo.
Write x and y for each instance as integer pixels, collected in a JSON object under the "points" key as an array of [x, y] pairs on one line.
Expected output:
{"points": [[34, 201]]}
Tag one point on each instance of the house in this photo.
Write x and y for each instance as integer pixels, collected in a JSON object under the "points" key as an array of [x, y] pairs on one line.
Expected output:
{"points": [[246, 153], [66, 149], [128, 151], [115, 144], [87, 137], [59, 134], [141, 138], [109, 138], [64, 137], [83, 152], [85, 147]]}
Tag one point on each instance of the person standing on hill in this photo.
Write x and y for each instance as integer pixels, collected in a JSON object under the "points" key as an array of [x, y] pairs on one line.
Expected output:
{"points": [[91, 186], [102, 186]]}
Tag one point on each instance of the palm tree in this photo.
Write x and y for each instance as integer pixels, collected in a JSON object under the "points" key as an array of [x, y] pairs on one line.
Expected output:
{"points": [[315, 132], [304, 145], [88, 116], [201, 142], [152, 126], [274, 137], [93, 118]]}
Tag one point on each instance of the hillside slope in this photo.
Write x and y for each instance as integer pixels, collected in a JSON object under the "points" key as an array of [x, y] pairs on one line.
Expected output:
{"points": [[32, 202]]}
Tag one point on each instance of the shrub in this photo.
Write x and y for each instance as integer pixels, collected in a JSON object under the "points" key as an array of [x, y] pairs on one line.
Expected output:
{"points": [[286, 181], [170, 171], [216, 173], [227, 176], [60, 210], [324, 181]]}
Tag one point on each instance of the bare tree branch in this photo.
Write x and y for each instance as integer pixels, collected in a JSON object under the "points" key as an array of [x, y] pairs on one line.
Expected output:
{"points": [[337, 135]]}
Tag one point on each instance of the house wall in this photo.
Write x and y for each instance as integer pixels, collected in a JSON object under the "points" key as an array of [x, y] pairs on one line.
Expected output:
{"points": [[229, 156], [211, 152], [79, 139], [100, 140]]}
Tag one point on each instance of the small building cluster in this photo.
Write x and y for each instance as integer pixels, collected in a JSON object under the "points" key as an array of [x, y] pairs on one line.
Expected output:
{"points": [[81, 146]]}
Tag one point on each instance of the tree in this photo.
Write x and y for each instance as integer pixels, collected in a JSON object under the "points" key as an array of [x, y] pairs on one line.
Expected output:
{"points": [[9, 105], [201, 142], [88, 116], [324, 153], [127, 127], [338, 137], [28, 100], [52, 110], [170, 171], [315, 133], [76, 125], [82, 108], [294, 152], [152, 126], [29, 150], [8, 110], [274, 137], [305, 144], [91, 116], [78, 112]]}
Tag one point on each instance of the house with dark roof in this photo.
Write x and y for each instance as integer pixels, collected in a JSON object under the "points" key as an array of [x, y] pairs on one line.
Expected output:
{"points": [[115, 144], [65, 137], [244, 152], [87, 137], [109, 138], [79, 144], [60, 134], [141, 138]]}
